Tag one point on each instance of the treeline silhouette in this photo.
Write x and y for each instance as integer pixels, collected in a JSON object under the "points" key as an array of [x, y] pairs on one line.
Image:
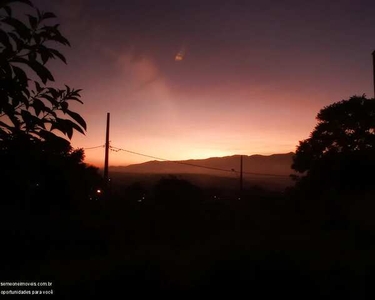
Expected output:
{"points": [[174, 236]]}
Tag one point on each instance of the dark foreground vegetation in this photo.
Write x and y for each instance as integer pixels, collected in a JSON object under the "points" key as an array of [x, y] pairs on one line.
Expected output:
{"points": [[177, 237], [57, 224]]}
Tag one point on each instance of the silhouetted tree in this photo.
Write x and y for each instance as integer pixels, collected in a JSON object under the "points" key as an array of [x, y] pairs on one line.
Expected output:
{"points": [[340, 152], [174, 191], [37, 163], [25, 51]]}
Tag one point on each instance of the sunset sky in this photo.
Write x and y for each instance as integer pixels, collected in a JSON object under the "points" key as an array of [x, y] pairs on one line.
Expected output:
{"points": [[196, 79]]}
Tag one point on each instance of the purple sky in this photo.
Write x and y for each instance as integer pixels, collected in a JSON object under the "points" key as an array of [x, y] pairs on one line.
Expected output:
{"points": [[252, 78]]}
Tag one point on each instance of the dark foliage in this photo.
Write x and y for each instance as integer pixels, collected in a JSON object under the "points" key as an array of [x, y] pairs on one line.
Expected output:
{"points": [[340, 152], [38, 175], [39, 168], [172, 191], [30, 106]]}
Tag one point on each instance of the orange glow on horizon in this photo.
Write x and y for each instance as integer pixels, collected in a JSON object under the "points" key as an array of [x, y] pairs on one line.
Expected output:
{"points": [[95, 157], [236, 95]]}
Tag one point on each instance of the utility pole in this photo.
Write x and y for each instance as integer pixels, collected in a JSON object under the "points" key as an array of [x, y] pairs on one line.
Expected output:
{"points": [[373, 62], [241, 176], [106, 178]]}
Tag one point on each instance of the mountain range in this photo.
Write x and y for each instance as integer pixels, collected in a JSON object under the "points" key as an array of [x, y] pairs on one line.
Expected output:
{"points": [[277, 164], [214, 172]]}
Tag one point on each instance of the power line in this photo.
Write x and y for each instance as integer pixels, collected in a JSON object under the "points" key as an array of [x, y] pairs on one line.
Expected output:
{"points": [[89, 148], [265, 174], [115, 149], [173, 161]]}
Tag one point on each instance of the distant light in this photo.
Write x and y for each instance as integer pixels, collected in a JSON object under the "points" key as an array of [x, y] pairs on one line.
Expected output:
{"points": [[140, 200], [239, 198], [99, 191], [179, 57]]}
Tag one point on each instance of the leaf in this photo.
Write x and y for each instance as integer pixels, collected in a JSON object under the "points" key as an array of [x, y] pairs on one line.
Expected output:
{"points": [[77, 118], [15, 101], [4, 39], [48, 15], [38, 87], [26, 2], [61, 93], [43, 73], [57, 124], [2, 124], [32, 56], [74, 95], [39, 13], [52, 33], [45, 54], [67, 89], [6, 72], [79, 129], [69, 129], [20, 75], [21, 29], [64, 106], [50, 99], [76, 99], [35, 121], [37, 39], [58, 54], [14, 120], [50, 111], [75, 126], [60, 39], [20, 44], [7, 108], [23, 99], [3, 134], [25, 113], [53, 92], [5, 2], [8, 10], [27, 93], [48, 136], [38, 106], [27, 118], [64, 126], [41, 122], [33, 21]]}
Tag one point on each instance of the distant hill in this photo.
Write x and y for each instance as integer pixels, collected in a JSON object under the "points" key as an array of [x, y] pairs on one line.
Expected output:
{"points": [[150, 172], [279, 164]]}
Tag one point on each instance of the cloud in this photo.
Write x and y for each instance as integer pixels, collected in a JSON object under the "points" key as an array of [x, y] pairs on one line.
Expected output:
{"points": [[138, 70], [142, 75], [146, 92]]}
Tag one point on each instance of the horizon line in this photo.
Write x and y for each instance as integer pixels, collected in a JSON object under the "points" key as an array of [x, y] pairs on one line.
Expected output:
{"points": [[195, 159]]}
